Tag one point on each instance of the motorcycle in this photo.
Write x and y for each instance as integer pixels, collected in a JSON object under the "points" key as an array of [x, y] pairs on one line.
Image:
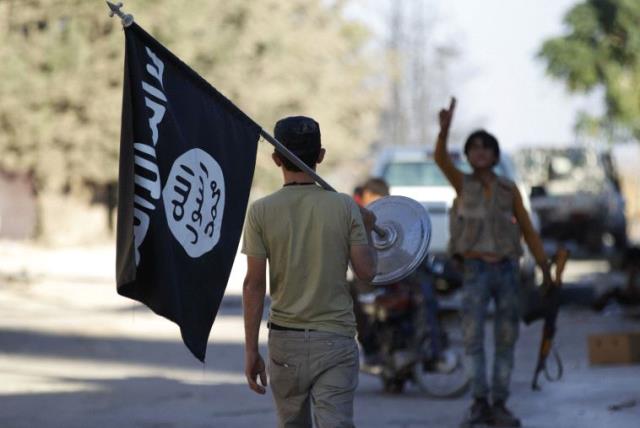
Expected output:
{"points": [[417, 340]]}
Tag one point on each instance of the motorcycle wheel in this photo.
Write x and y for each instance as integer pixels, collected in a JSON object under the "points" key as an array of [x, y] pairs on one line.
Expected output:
{"points": [[447, 378], [393, 385]]}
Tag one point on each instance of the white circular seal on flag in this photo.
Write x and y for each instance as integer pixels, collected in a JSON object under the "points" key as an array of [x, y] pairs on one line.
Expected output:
{"points": [[194, 201]]}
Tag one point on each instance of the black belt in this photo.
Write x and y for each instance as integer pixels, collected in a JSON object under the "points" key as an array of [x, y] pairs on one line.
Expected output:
{"points": [[273, 326]]}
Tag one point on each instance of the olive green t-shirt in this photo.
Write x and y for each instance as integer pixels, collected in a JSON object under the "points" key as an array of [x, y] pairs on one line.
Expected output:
{"points": [[306, 233]]}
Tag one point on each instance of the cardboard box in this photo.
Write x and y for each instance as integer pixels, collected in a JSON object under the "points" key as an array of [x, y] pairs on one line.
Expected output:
{"points": [[614, 348]]}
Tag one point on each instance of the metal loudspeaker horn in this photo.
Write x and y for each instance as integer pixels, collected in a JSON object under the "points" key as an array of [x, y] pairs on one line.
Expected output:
{"points": [[407, 234]]}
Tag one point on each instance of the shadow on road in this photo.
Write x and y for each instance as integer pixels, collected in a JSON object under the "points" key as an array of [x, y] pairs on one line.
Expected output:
{"points": [[144, 402], [158, 353]]}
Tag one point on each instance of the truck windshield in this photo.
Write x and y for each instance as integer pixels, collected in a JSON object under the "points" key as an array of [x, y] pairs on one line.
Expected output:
{"points": [[424, 173]]}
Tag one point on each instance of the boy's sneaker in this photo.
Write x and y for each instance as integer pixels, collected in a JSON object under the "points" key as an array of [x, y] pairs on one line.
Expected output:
{"points": [[502, 417], [479, 415]]}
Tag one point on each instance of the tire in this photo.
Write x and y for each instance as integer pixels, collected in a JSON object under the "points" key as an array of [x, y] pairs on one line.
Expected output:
{"points": [[621, 241], [454, 381], [393, 386], [450, 383], [593, 238]]}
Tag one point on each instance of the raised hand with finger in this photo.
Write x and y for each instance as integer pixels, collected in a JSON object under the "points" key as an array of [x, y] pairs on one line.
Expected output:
{"points": [[446, 117]]}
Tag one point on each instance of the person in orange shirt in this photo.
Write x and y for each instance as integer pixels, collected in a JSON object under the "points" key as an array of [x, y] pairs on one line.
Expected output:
{"points": [[486, 230], [372, 190]]}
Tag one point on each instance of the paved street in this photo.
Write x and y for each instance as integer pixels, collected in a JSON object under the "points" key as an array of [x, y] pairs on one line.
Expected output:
{"points": [[75, 354]]}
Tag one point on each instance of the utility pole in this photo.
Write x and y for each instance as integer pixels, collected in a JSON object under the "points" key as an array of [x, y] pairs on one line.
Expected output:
{"points": [[397, 121], [419, 77]]}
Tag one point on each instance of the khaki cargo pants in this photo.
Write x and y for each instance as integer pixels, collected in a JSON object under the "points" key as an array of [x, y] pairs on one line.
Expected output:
{"points": [[312, 369]]}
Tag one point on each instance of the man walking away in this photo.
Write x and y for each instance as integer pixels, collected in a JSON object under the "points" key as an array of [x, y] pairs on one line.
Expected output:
{"points": [[308, 236]]}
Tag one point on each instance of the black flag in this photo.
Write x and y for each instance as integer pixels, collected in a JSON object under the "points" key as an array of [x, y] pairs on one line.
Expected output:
{"points": [[187, 157]]}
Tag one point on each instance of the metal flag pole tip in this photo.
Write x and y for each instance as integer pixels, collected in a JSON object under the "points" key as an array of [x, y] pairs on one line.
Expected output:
{"points": [[127, 19]]}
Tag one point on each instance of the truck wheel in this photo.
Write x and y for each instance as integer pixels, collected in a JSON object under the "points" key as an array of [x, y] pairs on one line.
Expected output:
{"points": [[393, 385], [593, 240]]}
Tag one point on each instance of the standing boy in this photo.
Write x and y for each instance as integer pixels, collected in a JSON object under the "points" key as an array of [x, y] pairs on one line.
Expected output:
{"points": [[486, 231]]}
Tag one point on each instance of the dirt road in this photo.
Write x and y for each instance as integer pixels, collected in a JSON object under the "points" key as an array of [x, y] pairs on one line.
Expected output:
{"points": [[75, 354]]}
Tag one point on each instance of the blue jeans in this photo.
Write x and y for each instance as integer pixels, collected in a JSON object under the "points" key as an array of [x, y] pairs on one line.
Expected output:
{"points": [[482, 282], [431, 308]]}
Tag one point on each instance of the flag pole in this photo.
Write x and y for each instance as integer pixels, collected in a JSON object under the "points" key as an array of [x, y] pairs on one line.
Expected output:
{"points": [[304, 167], [125, 18]]}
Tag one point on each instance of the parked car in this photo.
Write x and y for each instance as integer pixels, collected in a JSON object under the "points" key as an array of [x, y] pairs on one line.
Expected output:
{"points": [[412, 172], [576, 194]]}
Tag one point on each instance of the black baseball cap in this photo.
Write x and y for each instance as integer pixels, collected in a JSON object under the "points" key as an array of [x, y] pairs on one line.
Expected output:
{"points": [[300, 134]]}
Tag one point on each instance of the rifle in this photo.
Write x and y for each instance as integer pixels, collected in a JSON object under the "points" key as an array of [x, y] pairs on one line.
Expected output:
{"points": [[551, 301]]}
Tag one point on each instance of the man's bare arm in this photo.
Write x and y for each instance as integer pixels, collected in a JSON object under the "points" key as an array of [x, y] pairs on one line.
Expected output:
{"points": [[364, 258], [364, 261], [253, 292], [531, 237], [441, 155]]}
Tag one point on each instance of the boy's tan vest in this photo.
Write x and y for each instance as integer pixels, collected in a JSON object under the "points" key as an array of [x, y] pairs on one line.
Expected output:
{"points": [[485, 225]]}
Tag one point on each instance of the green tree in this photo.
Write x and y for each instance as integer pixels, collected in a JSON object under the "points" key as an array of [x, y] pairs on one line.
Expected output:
{"points": [[61, 77], [601, 50]]}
